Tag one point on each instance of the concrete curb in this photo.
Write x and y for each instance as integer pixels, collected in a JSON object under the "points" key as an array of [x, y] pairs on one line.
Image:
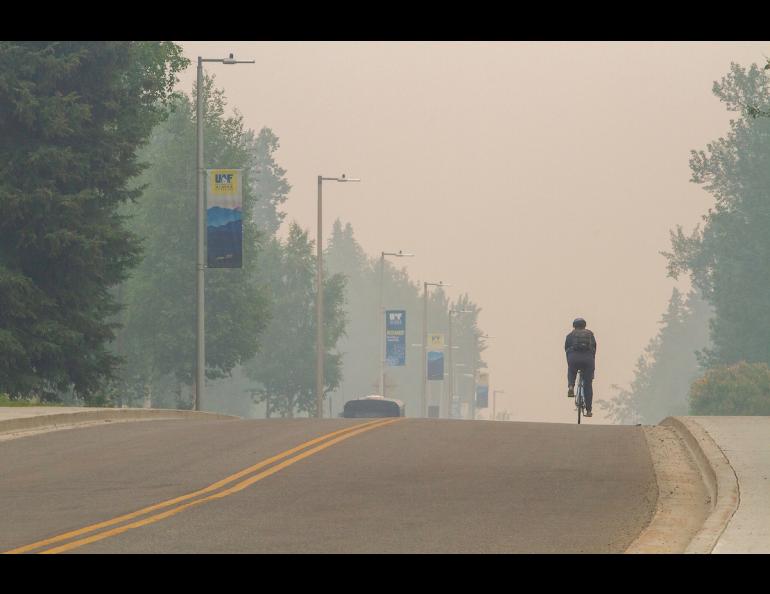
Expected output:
{"points": [[50, 421], [718, 476]]}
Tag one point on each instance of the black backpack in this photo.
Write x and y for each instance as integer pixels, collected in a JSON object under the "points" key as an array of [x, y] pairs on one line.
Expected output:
{"points": [[581, 339]]}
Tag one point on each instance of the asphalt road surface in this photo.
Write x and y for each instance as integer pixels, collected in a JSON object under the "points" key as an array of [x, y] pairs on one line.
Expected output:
{"points": [[405, 486]]}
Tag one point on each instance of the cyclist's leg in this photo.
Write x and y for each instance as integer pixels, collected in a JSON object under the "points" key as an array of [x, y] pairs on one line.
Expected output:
{"points": [[572, 370], [588, 377]]}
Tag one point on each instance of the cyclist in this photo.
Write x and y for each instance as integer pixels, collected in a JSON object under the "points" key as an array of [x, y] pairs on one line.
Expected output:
{"points": [[580, 347]]}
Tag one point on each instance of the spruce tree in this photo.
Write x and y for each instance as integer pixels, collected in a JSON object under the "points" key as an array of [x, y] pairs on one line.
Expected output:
{"points": [[72, 116]]}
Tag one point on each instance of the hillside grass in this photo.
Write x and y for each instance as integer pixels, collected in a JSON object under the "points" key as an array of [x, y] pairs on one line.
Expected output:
{"points": [[6, 401]]}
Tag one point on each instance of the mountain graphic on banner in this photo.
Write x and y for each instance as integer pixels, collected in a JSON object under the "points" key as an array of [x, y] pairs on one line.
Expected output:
{"points": [[217, 216], [223, 245]]}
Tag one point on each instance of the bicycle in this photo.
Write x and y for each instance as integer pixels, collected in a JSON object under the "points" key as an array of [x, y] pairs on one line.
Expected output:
{"points": [[580, 402]]}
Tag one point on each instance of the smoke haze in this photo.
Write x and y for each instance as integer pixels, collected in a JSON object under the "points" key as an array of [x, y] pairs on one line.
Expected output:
{"points": [[541, 178]]}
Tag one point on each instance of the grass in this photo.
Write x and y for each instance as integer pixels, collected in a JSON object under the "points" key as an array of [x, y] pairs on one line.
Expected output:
{"points": [[6, 401]]}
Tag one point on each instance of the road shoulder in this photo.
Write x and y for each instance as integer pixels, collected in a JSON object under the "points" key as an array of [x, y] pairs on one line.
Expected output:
{"points": [[26, 421], [683, 501]]}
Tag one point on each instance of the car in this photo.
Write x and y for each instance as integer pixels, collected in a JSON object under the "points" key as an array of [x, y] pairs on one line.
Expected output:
{"points": [[372, 407]]}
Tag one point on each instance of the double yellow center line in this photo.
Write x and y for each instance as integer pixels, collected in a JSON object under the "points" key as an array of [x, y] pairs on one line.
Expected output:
{"points": [[217, 490]]}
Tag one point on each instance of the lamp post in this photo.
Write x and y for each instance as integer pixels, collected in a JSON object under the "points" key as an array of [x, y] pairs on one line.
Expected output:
{"points": [[494, 400], [451, 372], [425, 341], [319, 363], [200, 343], [471, 376], [381, 322], [473, 396]]}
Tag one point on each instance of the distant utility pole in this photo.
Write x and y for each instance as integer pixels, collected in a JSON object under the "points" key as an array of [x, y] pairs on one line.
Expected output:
{"points": [[381, 321], [473, 396], [319, 299], [200, 340], [494, 400], [423, 401], [451, 369]]}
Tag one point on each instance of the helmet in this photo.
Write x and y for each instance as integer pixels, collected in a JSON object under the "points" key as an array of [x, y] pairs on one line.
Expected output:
{"points": [[578, 323]]}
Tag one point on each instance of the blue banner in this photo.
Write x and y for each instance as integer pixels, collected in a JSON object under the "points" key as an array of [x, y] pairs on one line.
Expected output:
{"points": [[395, 337], [224, 219], [482, 396], [435, 365]]}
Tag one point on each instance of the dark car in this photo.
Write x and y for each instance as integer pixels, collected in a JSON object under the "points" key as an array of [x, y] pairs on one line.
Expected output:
{"points": [[371, 407]]}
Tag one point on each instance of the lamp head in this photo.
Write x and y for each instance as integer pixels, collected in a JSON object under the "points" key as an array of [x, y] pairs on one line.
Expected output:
{"points": [[344, 178]]}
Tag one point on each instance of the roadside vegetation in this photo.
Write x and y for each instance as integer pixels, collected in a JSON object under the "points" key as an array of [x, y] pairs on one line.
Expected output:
{"points": [[718, 341], [740, 389], [72, 118], [97, 250], [6, 400]]}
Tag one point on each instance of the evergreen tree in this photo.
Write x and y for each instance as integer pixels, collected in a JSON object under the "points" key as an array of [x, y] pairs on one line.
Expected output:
{"points": [[159, 336], [270, 186], [360, 346], [469, 338], [668, 366], [284, 367], [727, 258], [72, 116]]}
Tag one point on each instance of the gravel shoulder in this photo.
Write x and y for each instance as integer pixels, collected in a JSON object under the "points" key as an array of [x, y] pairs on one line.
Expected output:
{"points": [[683, 502]]}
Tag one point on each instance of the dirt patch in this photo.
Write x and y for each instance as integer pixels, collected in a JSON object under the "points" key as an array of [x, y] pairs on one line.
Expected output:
{"points": [[683, 500]]}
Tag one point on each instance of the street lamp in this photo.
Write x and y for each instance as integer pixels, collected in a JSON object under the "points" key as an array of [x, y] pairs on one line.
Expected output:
{"points": [[473, 397], [451, 374], [319, 364], [471, 376], [200, 343], [494, 400], [425, 341], [399, 254], [457, 366]]}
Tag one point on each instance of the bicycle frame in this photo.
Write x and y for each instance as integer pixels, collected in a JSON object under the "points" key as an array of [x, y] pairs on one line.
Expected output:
{"points": [[580, 402]]}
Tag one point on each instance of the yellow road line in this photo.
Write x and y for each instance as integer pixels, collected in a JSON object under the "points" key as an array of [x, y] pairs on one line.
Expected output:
{"points": [[221, 494], [213, 487], [234, 489]]}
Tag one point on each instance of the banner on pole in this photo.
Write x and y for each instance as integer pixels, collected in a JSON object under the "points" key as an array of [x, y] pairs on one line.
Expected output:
{"points": [[482, 391], [224, 218], [395, 337], [435, 365]]}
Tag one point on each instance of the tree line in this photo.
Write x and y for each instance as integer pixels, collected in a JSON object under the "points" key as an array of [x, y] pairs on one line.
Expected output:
{"points": [[360, 344], [97, 249], [712, 352]]}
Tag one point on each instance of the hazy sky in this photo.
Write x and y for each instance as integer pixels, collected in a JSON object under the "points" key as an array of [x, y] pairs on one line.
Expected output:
{"points": [[542, 178]]}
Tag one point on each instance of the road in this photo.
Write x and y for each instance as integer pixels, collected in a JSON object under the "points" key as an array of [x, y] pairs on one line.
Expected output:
{"points": [[405, 486]]}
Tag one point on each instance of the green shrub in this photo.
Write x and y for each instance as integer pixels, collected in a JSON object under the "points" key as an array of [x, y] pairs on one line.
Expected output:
{"points": [[740, 389], [6, 400]]}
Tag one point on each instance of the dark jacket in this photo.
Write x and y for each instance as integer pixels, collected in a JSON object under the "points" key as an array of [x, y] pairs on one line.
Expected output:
{"points": [[568, 343]]}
